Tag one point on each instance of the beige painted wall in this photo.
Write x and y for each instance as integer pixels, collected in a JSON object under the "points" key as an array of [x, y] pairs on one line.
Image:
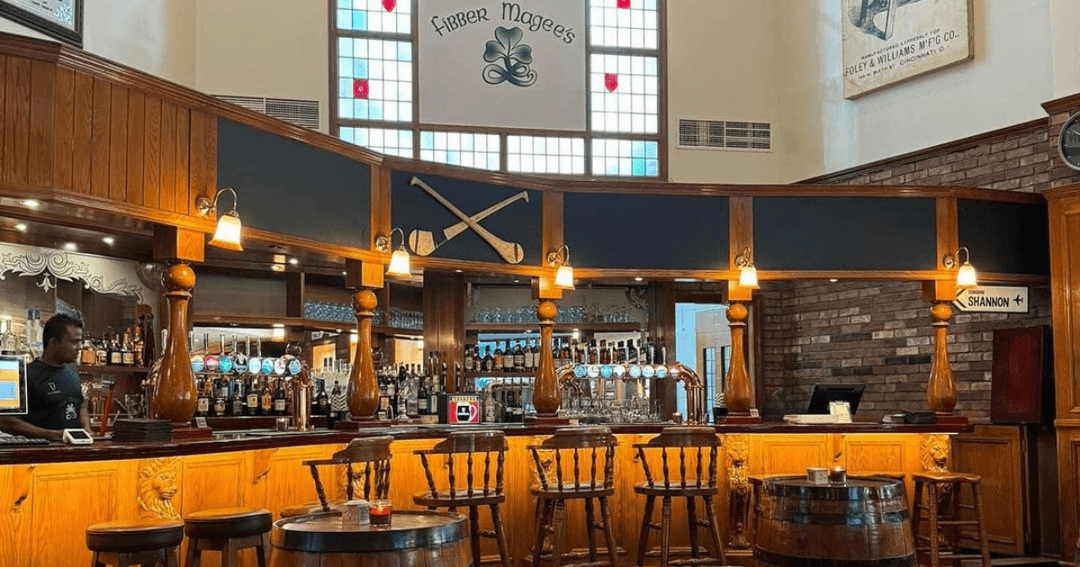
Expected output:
{"points": [[272, 48], [722, 56]]}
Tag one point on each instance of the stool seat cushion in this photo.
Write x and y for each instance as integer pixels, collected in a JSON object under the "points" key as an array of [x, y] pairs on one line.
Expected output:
{"points": [[691, 489], [127, 536], [442, 498], [946, 477], [227, 523]]}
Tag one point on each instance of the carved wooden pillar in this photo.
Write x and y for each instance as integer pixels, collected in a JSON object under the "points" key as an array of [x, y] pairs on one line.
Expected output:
{"points": [[363, 391], [941, 391], [739, 392], [738, 456], [547, 397], [174, 395]]}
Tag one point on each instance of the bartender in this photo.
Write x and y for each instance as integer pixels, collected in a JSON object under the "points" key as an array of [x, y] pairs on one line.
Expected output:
{"points": [[54, 393]]}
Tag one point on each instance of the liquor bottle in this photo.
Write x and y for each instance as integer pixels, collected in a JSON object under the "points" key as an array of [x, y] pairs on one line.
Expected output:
{"points": [[470, 358], [566, 356], [226, 363], [336, 399], [33, 333], [497, 358], [221, 399], [489, 359], [322, 401], [519, 358], [255, 362], [149, 348], [490, 406], [266, 399], [280, 399], [202, 402], [508, 358], [251, 405], [101, 352], [423, 397], [527, 360], [127, 353], [138, 348], [605, 354], [116, 358]]}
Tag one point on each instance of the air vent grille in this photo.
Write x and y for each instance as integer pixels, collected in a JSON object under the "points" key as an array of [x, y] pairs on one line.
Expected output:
{"points": [[303, 113], [720, 134]]}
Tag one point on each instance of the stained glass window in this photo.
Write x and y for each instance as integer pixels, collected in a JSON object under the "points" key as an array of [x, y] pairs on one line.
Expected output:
{"points": [[466, 149], [383, 140], [635, 158], [541, 154]]}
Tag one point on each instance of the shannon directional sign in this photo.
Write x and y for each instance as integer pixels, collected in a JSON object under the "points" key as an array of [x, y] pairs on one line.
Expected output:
{"points": [[993, 299]]}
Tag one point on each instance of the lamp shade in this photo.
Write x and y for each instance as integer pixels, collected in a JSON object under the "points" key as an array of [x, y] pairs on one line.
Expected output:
{"points": [[748, 277], [564, 277], [227, 235], [399, 263], [965, 277]]}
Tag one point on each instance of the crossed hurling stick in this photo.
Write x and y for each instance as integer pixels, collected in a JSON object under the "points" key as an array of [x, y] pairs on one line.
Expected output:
{"points": [[511, 252], [422, 242]]}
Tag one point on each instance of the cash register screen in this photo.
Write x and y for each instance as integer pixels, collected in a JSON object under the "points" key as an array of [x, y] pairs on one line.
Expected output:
{"points": [[12, 385]]}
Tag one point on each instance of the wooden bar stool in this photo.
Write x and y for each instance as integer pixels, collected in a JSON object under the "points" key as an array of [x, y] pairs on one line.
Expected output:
{"points": [[371, 456], [943, 510], [674, 442], [574, 448], [228, 530], [467, 444], [135, 542]]}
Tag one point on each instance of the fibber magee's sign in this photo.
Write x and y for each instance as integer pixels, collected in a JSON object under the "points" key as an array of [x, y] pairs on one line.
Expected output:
{"points": [[503, 64]]}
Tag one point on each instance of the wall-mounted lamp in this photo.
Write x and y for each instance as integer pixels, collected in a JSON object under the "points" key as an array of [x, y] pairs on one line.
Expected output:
{"points": [[564, 276], [965, 276], [747, 271], [399, 260], [227, 235]]}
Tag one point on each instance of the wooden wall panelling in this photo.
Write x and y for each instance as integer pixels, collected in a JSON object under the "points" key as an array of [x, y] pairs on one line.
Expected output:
{"points": [[202, 159], [15, 484], [788, 454], [995, 453], [167, 188], [136, 146], [220, 480], [82, 124], [4, 135], [118, 144], [152, 151], [284, 477], [16, 120], [947, 227], [444, 318], [184, 152], [57, 527], [64, 119], [660, 298], [42, 125], [99, 138]]}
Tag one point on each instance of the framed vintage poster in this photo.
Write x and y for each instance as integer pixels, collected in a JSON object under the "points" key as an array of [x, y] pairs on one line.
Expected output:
{"points": [[60, 19], [888, 41]]}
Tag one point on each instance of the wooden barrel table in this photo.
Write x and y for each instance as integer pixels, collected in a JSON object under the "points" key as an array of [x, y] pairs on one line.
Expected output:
{"points": [[414, 539], [863, 522]]}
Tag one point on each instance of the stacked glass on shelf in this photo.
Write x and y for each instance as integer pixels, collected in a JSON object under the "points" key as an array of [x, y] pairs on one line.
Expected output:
{"points": [[612, 380]]}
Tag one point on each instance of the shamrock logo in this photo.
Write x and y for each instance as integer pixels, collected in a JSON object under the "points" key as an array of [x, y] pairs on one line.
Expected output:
{"points": [[509, 59]]}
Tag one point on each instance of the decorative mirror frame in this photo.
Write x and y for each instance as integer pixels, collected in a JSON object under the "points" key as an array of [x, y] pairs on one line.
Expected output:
{"points": [[45, 16]]}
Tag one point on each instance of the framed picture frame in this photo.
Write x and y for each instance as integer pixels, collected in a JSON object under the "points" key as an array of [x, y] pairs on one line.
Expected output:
{"points": [[59, 19]]}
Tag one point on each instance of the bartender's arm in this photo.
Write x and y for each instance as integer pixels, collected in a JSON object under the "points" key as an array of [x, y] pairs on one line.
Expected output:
{"points": [[16, 426]]}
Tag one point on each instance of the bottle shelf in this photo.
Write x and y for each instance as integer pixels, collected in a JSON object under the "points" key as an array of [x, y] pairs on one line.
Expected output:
{"points": [[559, 327], [93, 369], [297, 323], [524, 374]]}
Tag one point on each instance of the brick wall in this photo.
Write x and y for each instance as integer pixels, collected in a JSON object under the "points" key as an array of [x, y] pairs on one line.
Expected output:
{"points": [[879, 334]]}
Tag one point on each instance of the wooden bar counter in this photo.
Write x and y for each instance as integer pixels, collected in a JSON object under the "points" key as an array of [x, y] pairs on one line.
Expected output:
{"points": [[49, 495]]}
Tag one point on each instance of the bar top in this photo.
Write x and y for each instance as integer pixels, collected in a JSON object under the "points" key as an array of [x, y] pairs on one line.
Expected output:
{"points": [[226, 441]]}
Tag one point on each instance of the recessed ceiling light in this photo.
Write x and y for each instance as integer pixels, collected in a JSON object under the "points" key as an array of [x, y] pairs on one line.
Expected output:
{"points": [[279, 325], [21, 227], [279, 258], [639, 278], [277, 267], [517, 281], [31, 203], [109, 240], [293, 261], [833, 280], [344, 274], [70, 246], [457, 271]]}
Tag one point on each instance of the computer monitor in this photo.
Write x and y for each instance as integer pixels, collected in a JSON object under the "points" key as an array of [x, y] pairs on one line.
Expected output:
{"points": [[12, 385], [825, 393]]}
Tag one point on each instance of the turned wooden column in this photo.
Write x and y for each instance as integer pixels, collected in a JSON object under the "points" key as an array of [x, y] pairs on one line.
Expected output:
{"points": [[941, 391], [363, 391], [174, 395], [547, 396], [738, 395]]}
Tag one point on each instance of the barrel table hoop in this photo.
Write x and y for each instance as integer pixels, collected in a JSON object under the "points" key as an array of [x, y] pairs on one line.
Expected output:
{"points": [[414, 539], [861, 523]]}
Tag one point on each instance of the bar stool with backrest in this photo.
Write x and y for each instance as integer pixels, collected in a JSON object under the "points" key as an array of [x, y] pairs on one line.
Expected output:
{"points": [[581, 467], [943, 511], [135, 542], [675, 481], [464, 449], [228, 530], [365, 458]]}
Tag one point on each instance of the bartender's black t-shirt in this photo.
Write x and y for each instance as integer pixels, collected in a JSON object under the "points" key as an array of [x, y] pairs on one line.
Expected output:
{"points": [[55, 396]]}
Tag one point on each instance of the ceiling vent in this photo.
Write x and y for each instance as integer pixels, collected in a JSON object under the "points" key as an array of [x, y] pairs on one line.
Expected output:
{"points": [[725, 135], [303, 113]]}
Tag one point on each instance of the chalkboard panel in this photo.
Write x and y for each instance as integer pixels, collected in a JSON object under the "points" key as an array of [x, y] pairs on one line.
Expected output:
{"points": [[417, 212], [290, 188], [1011, 238], [844, 233], [662, 232]]}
